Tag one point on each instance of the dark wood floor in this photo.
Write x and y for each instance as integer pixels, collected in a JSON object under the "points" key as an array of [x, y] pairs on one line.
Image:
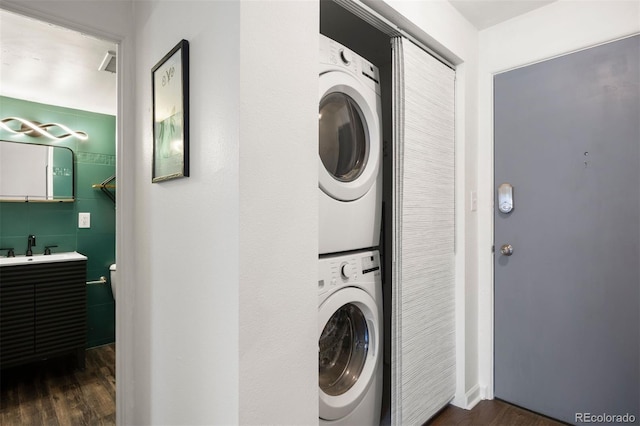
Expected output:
{"points": [[54, 392], [491, 413]]}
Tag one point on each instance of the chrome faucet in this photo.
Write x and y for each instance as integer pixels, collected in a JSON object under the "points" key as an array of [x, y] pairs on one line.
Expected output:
{"points": [[31, 242]]}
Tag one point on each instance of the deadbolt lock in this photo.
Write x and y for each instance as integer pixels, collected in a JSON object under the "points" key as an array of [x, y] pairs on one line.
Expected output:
{"points": [[505, 198]]}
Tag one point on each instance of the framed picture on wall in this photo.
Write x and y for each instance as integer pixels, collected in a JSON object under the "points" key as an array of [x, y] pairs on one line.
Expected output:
{"points": [[170, 104]]}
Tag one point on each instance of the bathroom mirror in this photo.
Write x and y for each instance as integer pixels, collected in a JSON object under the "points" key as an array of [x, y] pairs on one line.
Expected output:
{"points": [[31, 172]]}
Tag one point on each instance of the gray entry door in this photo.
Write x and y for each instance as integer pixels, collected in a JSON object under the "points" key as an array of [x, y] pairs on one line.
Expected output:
{"points": [[567, 324]]}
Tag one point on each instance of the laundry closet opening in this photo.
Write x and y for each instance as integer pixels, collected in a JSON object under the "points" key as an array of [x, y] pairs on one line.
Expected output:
{"points": [[374, 46], [417, 245]]}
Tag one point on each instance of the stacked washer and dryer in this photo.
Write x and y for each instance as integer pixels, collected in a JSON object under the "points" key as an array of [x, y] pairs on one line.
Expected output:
{"points": [[350, 198]]}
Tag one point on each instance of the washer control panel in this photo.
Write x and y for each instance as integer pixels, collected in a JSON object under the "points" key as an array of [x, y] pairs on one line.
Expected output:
{"points": [[346, 271], [350, 269], [370, 264]]}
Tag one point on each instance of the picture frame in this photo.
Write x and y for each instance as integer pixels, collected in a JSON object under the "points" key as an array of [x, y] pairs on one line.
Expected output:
{"points": [[170, 114]]}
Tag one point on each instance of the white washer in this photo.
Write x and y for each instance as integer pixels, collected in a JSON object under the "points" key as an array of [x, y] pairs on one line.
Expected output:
{"points": [[350, 150], [350, 339]]}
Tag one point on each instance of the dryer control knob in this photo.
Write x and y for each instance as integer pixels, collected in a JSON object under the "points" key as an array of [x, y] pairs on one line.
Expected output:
{"points": [[346, 271], [346, 57]]}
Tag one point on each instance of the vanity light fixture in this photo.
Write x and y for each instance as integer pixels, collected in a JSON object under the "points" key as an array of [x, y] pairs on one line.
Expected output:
{"points": [[35, 129]]}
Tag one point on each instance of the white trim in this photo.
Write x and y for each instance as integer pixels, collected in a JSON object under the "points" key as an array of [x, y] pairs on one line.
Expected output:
{"points": [[23, 8], [473, 397], [125, 256], [470, 399], [485, 393], [460, 243], [560, 55]]}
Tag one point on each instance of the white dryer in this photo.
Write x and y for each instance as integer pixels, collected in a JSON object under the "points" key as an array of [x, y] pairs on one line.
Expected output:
{"points": [[350, 339], [350, 150]]}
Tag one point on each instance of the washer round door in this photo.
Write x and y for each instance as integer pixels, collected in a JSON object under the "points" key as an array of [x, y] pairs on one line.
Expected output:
{"points": [[349, 136], [347, 350]]}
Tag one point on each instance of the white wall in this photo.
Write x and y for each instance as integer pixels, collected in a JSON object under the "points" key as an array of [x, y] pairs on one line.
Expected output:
{"points": [[279, 212], [559, 28], [187, 230], [227, 258]]}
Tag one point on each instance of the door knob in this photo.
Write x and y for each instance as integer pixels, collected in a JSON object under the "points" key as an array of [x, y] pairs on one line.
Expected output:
{"points": [[506, 249]]}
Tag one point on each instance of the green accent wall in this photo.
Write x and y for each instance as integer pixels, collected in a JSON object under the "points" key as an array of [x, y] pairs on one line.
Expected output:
{"points": [[57, 223]]}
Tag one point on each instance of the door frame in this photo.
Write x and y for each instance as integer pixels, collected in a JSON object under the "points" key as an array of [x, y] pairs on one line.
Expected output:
{"points": [[526, 44]]}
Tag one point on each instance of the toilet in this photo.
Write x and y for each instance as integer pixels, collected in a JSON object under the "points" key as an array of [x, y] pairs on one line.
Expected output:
{"points": [[113, 278]]}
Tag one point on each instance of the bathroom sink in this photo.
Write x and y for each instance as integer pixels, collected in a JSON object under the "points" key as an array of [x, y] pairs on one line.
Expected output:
{"points": [[41, 258]]}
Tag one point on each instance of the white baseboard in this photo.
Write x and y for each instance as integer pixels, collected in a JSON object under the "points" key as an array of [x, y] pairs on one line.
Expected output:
{"points": [[473, 397], [469, 399], [485, 393]]}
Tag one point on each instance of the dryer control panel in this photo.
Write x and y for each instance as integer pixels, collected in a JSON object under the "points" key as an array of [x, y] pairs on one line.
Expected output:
{"points": [[333, 53]]}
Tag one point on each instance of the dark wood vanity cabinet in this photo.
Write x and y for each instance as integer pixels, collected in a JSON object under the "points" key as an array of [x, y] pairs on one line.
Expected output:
{"points": [[43, 311]]}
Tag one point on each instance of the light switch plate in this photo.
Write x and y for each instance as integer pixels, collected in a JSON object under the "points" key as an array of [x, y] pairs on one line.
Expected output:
{"points": [[84, 220]]}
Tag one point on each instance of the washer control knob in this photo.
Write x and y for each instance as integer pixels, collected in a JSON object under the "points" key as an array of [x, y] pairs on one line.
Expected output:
{"points": [[346, 57], [346, 271]]}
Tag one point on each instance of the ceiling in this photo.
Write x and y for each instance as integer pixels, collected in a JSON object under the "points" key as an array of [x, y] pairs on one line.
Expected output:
{"points": [[45, 63], [485, 13]]}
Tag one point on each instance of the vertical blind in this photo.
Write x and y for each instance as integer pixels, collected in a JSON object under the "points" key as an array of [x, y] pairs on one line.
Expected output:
{"points": [[423, 345]]}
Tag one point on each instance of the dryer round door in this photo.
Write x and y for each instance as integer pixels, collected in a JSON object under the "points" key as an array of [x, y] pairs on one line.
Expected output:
{"points": [[347, 350], [349, 137]]}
